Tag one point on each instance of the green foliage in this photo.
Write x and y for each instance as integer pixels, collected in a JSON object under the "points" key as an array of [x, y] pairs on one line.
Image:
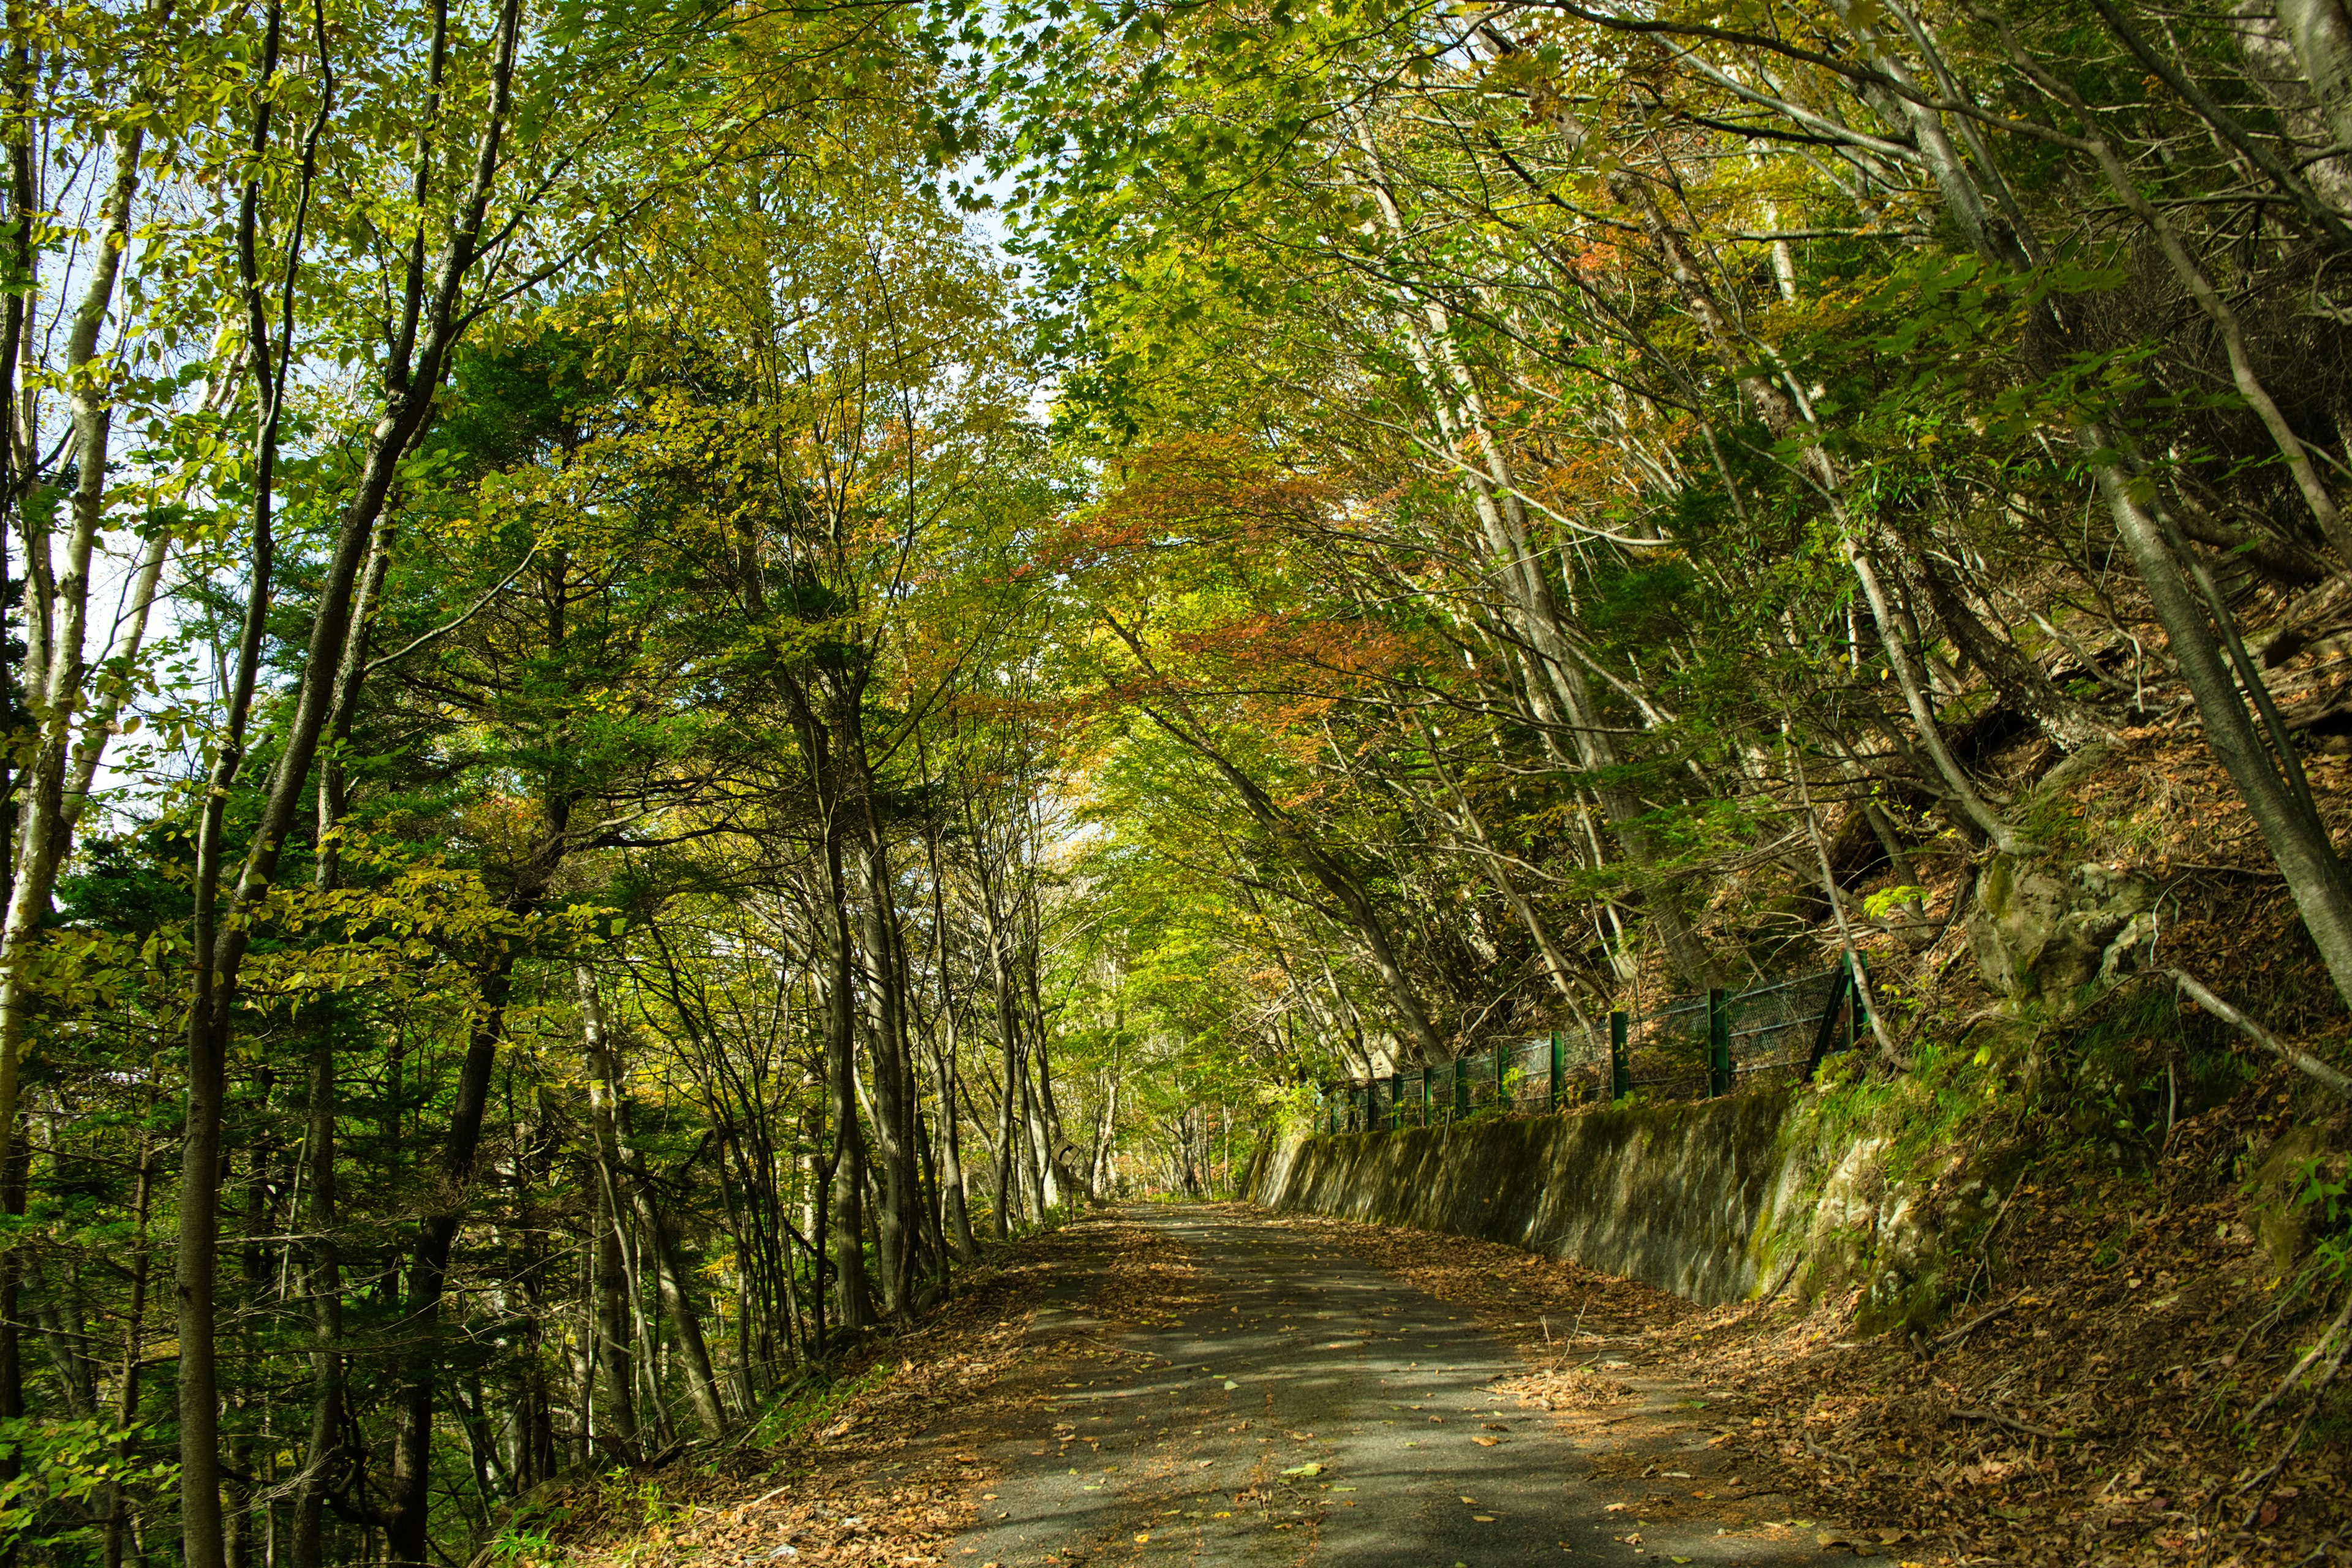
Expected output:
{"points": [[2321, 1187], [1384, 574], [812, 1401], [61, 1471], [529, 1535]]}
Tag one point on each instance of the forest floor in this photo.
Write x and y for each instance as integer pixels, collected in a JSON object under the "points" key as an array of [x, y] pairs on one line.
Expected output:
{"points": [[884, 1466], [2082, 1414], [1215, 1385]]}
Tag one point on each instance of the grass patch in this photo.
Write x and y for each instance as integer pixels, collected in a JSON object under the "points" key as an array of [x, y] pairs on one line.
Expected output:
{"points": [[810, 1402]]}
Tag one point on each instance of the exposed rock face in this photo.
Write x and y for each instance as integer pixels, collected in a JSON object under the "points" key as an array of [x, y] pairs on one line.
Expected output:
{"points": [[2281, 1223], [1853, 1218], [2040, 931]]}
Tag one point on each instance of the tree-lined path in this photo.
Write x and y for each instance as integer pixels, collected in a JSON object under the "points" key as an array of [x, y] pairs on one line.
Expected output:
{"points": [[1308, 1406], [677, 678]]}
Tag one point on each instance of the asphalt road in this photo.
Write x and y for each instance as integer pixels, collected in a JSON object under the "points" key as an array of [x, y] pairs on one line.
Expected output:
{"points": [[1314, 1408]]}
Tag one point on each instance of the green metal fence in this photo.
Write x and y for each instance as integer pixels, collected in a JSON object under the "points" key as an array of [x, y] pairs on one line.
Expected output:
{"points": [[1694, 1048]]}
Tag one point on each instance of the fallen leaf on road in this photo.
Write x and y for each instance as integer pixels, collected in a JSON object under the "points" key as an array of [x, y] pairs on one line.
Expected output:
{"points": [[1482, 1519], [1486, 1442]]}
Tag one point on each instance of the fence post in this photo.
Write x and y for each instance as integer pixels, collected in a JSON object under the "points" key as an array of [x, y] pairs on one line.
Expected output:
{"points": [[1861, 1013], [1461, 1089], [1396, 1100], [1841, 982], [1502, 1078], [1425, 1094], [1620, 1069], [1718, 1041], [1555, 1069]]}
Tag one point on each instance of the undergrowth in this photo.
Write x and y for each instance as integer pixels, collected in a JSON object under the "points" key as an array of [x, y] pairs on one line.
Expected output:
{"points": [[812, 1401]]}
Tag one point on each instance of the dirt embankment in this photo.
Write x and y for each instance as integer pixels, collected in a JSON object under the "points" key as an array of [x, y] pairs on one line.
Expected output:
{"points": [[2096, 1408]]}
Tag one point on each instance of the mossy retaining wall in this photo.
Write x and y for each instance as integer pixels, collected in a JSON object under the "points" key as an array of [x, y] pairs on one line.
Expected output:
{"points": [[1678, 1196]]}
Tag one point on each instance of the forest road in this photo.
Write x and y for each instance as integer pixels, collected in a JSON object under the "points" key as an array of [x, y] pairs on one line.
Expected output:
{"points": [[1312, 1408]]}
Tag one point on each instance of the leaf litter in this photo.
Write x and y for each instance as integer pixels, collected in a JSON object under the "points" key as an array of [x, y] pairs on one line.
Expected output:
{"points": [[2086, 1416], [900, 1470]]}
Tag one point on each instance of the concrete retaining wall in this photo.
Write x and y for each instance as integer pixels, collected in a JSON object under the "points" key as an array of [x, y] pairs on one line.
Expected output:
{"points": [[1679, 1196]]}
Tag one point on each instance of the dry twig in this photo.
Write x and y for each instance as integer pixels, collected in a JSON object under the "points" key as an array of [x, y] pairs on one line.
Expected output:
{"points": [[2295, 1057], [1963, 1413], [1973, 1324]]}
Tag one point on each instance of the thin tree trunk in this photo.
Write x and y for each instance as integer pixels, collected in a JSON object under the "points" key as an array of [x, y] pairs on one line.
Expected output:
{"points": [[952, 1173], [894, 1151], [853, 1303], [615, 1363], [1008, 1035], [325, 1292], [431, 325], [135, 1330], [625, 1174], [409, 1484]]}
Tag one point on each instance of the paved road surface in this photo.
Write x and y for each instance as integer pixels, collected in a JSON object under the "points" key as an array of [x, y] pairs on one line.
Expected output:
{"points": [[1314, 1408]]}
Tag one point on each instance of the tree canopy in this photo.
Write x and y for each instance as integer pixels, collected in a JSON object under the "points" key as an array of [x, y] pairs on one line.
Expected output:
{"points": [[667, 663]]}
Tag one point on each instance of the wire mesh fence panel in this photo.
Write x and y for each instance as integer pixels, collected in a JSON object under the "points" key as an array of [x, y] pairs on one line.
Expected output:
{"points": [[1526, 1073], [1586, 1064], [1775, 1029], [1552, 1071], [1668, 1051], [1690, 1049], [1486, 1080]]}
